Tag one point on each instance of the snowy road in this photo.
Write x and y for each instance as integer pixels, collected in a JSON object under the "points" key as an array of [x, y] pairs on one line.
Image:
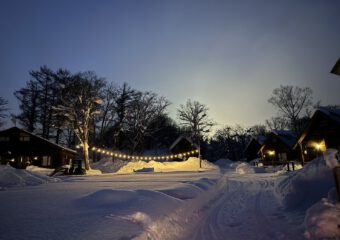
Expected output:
{"points": [[238, 207], [206, 205]]}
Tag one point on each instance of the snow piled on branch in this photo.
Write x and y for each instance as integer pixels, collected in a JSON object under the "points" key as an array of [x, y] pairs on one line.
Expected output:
{"points": [[11, 177]]}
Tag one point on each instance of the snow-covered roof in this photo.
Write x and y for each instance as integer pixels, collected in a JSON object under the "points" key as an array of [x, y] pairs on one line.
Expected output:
{"points": [[43, 139], [331, 112], [183, 137], [287, 137], [259, 139]]}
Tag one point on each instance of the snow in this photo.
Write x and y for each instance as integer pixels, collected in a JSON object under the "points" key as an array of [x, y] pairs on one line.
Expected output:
{"points": [[176, 200], [192, 164], [323, 220], [11, 177], [330, 158], [40, 170], [306, 186]]}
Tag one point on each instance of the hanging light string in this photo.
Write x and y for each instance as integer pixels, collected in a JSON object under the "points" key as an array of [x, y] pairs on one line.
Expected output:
{"points": [[141, 157]]}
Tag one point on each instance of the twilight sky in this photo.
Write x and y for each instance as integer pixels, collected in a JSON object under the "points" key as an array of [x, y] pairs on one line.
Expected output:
{"points": [[229, 55]]}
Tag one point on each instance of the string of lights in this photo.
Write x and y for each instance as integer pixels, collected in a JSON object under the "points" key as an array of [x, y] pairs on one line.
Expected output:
{"points": [[141, 157]]}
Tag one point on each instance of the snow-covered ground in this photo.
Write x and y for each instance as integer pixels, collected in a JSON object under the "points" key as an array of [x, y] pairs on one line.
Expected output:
{"points": [[237, 201]]}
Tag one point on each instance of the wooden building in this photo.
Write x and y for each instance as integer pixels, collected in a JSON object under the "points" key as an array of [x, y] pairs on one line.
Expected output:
{"points": [[20, 148], [183, 144], [278, 148], [252, 149], [322, 132]]}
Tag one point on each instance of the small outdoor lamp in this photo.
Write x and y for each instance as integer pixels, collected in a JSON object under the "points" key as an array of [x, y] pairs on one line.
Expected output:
{"points": [[271, 153], [336, 68]]}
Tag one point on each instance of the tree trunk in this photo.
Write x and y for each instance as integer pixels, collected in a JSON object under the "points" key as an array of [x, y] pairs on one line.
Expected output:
{"points": [[86, 155]]}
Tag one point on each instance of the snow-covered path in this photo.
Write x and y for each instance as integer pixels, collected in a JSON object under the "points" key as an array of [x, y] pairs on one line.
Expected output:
{"points": [[238, 207], [248, 210], [192, 205]]}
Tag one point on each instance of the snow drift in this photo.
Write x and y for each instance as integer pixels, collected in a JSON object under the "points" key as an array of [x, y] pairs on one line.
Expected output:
{"points": [[11, 177], [192, 164], [305, 187]]}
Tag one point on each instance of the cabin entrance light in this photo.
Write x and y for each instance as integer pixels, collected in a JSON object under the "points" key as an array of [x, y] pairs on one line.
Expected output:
{"points": [[271, 152], [336, 68]]}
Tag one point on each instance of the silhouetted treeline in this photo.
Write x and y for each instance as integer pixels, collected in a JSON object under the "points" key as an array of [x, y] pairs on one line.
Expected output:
{"points": [[71, 108]]}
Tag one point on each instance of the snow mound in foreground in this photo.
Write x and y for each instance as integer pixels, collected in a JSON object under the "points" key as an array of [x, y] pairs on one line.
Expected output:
{"points": [[306, 186], [192, 164], [11, 177], [322, 221]]}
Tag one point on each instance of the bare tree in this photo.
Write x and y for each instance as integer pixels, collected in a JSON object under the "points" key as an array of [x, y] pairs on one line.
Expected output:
{"points": [[194, 116], [108, 113], [146, 108], [28, 98], [80, 101], [3, 110], [45, 80], [291, 101], [277, 123], [123, 105]]}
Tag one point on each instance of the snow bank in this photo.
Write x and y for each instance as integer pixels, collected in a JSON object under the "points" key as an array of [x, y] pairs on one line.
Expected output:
{"points": [[93, 172], [322, 221], [11, 177], [243, 168], [106, 165], [192, 164], [330, 158], [40, 170], [306, 186]]}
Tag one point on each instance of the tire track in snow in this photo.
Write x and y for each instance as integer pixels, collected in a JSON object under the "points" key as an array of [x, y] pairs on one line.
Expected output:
{"points": [[238, 207], [183, 221]]}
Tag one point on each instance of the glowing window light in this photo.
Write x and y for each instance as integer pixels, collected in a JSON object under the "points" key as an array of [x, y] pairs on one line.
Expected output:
{"points": [[271, 152]]}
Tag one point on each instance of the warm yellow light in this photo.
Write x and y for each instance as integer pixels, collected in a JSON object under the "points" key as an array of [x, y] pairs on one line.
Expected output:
{"points": [[93, 149], [271, 152]]}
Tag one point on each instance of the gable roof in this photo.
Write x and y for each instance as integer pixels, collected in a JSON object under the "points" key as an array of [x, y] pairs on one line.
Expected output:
{"points": [[287, 137], [16, 129], [331, 113], [186, 138], [260, 139]]}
